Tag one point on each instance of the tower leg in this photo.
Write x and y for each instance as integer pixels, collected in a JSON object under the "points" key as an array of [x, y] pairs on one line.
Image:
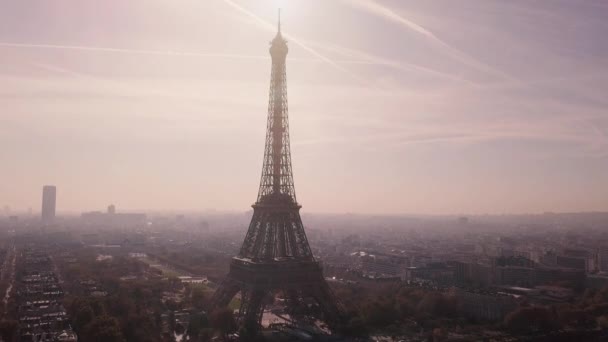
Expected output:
{"points": [[324, 296], [292, 300], [224, 294], [252, 308]]}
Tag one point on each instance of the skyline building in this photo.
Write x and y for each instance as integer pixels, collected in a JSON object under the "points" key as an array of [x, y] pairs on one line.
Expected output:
{"points": [[49, 198]]}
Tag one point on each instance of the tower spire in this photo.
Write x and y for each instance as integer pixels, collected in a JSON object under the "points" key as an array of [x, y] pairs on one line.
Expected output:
{"points": [[279, 20]]}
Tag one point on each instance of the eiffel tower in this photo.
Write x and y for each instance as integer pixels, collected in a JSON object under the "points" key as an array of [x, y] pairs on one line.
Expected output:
{"points": [[275, 256]]}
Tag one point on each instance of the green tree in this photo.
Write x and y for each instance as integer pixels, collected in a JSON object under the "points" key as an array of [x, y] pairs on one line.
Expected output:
{"points": [[103, 329], [198, 297]]}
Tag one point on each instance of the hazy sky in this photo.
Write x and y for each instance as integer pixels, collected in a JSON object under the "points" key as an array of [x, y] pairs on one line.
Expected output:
{"points": [[469, 106]]}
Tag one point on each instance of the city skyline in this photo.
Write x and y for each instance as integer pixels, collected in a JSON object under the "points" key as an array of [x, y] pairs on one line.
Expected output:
{"points": [[434, 108]]}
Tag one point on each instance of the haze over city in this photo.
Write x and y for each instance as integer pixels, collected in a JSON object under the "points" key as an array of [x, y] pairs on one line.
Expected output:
{"points": [[426, 107], [451, 158]]}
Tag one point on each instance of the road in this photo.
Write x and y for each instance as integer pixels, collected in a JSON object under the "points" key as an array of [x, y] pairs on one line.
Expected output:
{"points": [[8, 275]]}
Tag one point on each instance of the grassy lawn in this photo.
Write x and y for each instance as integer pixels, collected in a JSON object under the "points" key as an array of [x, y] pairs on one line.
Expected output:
{"points": [[235, 303]]}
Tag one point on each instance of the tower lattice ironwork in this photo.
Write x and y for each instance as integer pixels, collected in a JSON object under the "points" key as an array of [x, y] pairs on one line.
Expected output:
{"points": [[275, 255]]}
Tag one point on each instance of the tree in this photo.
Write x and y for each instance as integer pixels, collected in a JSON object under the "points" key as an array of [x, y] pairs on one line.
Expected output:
{"points": [[198, 322], [223, 321], [598, 309], [205, 335], [380, 312], [83, 316], [439, 334], [173, 305], [102, 329], [175, 282], [8, 328], [139, 327], [530, 319], [354, 327], [198, 297], [438, 304], [576, 318]]}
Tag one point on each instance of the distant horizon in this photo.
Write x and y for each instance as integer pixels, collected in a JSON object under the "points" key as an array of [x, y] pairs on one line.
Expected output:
{"points": [[119, 210]]}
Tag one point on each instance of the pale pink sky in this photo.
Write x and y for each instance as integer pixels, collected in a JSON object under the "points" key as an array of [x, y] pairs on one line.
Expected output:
{"points": [[472, 106]]}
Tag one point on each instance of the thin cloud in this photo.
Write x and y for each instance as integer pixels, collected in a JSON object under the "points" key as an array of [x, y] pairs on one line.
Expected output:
{"points": [[387, 13], [170, 53], [130, 51], [60, 70], [396, 136], [401, 66], [104, 85]]}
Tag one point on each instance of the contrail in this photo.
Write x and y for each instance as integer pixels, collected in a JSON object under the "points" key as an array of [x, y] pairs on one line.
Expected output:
{"points": [[265, 24], [90, 78], [164, 52], [379, 10], [401, 66], [366, 59], [136, 51], [58, 69]]}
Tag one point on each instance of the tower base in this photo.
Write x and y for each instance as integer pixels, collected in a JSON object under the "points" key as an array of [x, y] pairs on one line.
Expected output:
{"points": [[258, 282]]}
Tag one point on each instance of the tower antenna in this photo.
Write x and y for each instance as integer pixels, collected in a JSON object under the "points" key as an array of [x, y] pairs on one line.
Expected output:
{"points": [[279, 20]]}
